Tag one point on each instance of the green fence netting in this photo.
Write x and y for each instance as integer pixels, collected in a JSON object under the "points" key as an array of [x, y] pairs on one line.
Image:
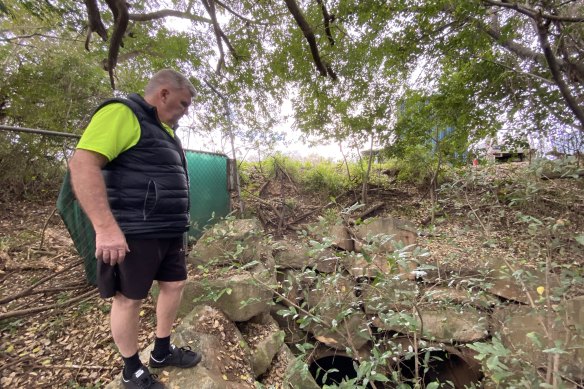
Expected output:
{"points": [[209, 201]]}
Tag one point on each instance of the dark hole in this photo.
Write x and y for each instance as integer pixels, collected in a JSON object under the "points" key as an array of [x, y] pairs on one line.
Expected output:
{"points": [[343, 366], [443, 367]]}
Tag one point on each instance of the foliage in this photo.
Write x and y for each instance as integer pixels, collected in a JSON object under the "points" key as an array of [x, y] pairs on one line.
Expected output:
{"points": [[395, 72]]}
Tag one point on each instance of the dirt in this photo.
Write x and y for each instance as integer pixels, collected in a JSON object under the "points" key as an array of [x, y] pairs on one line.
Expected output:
{"points": [[71, 346]]}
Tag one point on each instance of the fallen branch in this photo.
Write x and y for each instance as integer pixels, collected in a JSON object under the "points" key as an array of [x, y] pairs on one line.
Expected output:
{"points": [[25, 312], [77, 367], [369, 210], [28, 290]]}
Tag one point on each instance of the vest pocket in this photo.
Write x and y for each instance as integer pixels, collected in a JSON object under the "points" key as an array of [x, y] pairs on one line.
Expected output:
{"points": [[150, 199]]}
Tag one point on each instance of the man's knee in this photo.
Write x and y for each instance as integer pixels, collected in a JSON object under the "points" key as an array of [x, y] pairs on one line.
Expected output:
{"points": [[171, 287], [126, 303]]}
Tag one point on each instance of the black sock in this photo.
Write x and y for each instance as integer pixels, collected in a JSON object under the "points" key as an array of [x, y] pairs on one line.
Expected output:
{"points": [[131, 365], [161, 348]]}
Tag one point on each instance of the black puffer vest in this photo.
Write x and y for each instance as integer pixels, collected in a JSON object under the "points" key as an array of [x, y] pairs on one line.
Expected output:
{"points": [[147, 185]]}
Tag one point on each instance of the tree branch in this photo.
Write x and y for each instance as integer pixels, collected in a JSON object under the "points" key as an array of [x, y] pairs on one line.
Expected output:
{"points": [[94, 22], [119, 9], [532, 13], [309, 35], [526, 53], [327, 19], [542, 31], [163, 13], [231, 11], [210, 7]]}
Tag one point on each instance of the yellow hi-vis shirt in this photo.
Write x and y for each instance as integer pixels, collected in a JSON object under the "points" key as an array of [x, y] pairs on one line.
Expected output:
{"points": [[112, 130]]}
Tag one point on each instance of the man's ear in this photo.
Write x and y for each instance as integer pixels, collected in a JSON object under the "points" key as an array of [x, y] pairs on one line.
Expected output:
{"points": [[163, 94]]}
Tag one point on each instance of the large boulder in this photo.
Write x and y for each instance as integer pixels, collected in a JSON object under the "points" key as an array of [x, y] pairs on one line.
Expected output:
{"points": [[448, 324], [388, 295], [398, 230], [240, 294], [265, 339], [301, 255], [518, 283], [226, 362], [341, 323], [526, 332], [288, 372], [237, 241]]}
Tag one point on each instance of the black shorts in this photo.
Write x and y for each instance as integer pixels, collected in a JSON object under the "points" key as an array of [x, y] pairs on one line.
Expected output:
{"points": [[148, 260]]}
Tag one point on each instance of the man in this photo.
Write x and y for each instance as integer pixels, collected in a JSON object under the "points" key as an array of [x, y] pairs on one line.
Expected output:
{"points": [[129, 176]]}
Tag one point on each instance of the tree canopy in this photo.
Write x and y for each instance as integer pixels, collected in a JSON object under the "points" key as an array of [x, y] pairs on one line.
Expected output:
{"points": [[395, 70]]}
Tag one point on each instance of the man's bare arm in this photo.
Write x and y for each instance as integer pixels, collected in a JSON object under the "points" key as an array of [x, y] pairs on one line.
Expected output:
{"points": [[89, 188]]}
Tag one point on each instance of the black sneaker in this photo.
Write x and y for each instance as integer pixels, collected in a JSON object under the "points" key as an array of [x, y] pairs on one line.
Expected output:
{"points": [[179, 357], [142, 379]]}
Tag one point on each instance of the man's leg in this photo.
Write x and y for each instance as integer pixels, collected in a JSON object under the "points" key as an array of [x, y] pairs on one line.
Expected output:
{"points": [[167, 306], [125, 322], [165, 354]]}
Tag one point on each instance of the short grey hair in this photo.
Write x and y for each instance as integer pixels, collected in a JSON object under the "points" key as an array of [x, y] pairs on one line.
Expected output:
{"points": [[171, 78]]}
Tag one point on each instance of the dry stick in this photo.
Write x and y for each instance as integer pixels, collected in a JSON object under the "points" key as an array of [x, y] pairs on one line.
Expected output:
{"points": [[282, 203], [28, 290], [416, 360], [45, 228], [369, 210], [16, 362], [63, 288], [306, 214], [264, 185], [87, 367], [85, 353], [25, 312], [475, 214]]}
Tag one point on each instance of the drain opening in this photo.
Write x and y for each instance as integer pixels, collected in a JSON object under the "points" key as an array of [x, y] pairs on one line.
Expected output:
{"points": [[332, 370], [442, 367]]}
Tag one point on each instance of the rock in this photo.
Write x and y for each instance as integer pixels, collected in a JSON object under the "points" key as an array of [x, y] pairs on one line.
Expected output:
{"points": [[501, 281], [399, 230], [231, 241], [358, 266], [296, 376], [459, 295], [448, 324], [300, 256], [226, 359], [332, 299], [519, 326], [390, 295], [265, 339], [341, 237], [238, 294], [264, 352]]}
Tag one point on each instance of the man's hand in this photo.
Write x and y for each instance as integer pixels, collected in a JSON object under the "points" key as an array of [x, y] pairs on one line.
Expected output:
{"points": [[110, 245]]}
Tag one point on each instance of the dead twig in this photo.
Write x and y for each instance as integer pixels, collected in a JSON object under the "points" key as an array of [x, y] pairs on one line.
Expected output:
{"points": [[25, 312], [45, 228], [80, 367], [28, 290]]}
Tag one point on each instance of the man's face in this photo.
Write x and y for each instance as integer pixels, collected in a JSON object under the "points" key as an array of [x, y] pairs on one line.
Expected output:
{"points": [[174, 104]]}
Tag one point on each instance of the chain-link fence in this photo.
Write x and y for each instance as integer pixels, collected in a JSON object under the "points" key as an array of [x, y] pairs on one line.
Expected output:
{"points": [[209, 182]]}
